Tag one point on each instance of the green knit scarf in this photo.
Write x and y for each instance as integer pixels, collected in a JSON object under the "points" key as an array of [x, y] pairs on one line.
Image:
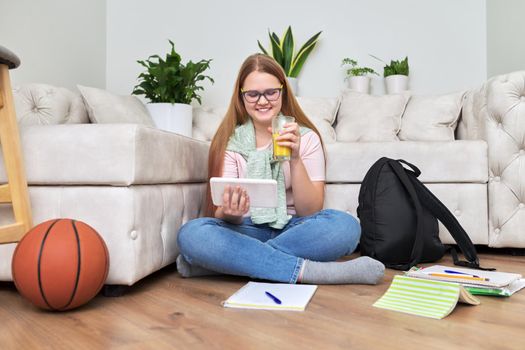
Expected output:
{"points": [[260, 165]]}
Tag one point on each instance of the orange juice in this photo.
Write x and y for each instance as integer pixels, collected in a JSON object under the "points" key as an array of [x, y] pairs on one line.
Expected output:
{"points": [[280, 152]]}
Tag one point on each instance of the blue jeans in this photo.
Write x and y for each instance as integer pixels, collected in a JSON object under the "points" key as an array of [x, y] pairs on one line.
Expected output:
{"points": [[261, 252]]}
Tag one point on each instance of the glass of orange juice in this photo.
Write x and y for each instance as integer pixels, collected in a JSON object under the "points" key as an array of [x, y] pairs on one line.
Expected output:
{"points": [[280, 153]]}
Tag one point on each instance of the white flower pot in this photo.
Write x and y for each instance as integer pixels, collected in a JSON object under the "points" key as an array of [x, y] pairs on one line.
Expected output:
{"points": [[294, 84], [359, 84], [396, 84], [173, 117]]}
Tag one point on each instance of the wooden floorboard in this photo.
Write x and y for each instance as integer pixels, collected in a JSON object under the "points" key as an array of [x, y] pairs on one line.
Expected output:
{"points": [[165, 311]]}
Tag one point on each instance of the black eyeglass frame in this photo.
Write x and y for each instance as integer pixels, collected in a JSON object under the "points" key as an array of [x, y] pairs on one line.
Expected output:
{"points": [[244, 92]]}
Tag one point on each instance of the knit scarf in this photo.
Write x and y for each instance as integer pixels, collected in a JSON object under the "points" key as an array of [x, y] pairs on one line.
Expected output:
{"points": [[260, 165]]}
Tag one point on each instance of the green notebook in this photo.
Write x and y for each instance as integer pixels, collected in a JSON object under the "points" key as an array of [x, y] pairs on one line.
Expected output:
{"points": [[428, 298], [506, 291]]}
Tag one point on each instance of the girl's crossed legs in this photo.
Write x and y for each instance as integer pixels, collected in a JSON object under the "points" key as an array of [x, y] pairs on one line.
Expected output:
{"points": [[261, 252]]}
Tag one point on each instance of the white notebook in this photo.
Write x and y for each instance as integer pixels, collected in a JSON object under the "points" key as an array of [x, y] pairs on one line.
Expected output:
{"points": [[465, 276], [254, 295]]}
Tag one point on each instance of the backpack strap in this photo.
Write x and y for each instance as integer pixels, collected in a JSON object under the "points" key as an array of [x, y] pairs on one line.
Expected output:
{"points": [[417, 248], [438, 209]]}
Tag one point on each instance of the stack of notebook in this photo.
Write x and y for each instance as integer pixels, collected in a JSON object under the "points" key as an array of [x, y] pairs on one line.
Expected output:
{"points": [[477, 282]]}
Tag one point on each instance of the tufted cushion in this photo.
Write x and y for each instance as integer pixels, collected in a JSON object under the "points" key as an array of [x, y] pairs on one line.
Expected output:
{"points": [[46, 104], [503, 113], [105, 107], [138, 223], [363, 117], [431, 118]]}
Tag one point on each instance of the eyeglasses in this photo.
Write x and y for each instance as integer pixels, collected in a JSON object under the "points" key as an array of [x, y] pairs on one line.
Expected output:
{"points": [[253, 96]]}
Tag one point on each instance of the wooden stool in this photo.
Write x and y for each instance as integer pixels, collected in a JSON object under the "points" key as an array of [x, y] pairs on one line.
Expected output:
{"points": [[15, 191]]}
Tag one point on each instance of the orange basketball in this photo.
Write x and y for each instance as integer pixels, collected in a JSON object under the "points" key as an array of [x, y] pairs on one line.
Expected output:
{"points": [[60, 264]]}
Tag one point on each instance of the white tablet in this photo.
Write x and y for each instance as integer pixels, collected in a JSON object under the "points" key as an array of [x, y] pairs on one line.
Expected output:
{"points": [[262, 193]]}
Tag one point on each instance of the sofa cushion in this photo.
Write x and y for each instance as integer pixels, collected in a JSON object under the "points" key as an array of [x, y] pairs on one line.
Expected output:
{"points": [[431, 118], [105, 107], [112, 154], [363, 117], [41, 104], [206, 120], [322, 112], [439, 162], [466, 201]]}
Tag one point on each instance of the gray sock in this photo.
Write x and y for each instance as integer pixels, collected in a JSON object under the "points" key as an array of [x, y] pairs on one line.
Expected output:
{"points": [[363, 270], [186, 270]]}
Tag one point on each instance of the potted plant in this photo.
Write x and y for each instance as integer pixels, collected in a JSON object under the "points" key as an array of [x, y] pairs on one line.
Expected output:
{"points": [[396, 75], [171, 86], [282, 50], [358, 77]]}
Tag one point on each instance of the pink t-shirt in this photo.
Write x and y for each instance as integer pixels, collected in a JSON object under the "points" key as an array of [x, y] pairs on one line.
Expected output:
{"points": [[311, 153]]}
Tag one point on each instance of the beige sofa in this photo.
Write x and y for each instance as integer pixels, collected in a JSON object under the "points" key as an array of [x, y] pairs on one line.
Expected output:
{"points": [[134, 184], [137, 185]]}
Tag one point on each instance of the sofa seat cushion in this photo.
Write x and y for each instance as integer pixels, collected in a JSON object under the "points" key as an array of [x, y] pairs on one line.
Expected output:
{"points": [[439, 162], [109, 154], [138, 223], [466, 201]]}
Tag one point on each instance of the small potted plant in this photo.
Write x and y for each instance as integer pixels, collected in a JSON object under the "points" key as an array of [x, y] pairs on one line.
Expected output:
{"points": [[396, 75], [358, 77], [282, 50], [171, 86]]}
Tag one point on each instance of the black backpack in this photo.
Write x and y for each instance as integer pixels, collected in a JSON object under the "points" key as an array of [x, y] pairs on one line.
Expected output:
{"points": [[399, 215]]}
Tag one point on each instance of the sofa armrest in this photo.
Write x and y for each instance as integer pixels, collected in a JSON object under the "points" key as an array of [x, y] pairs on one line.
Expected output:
{"points": [[110, 154], [496, 113]]}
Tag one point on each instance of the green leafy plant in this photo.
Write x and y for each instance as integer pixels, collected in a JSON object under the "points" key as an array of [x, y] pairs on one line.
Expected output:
{"points": [[354, 70], [169, 80], [395, 67], [282, 50]]}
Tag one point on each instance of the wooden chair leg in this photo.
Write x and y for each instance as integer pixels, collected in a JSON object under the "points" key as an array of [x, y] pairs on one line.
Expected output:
{"points": [[15, 191]]}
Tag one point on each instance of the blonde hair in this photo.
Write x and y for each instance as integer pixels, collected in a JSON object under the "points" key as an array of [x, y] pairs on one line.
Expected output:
{"points": [[237, 115]]}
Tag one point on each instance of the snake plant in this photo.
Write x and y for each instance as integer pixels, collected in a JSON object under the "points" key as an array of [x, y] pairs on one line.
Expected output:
{"points": [[282, 50]]}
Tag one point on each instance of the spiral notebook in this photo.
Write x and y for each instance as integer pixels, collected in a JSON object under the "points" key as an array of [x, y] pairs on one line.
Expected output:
{"points": [[272, 296], [474, 277]]}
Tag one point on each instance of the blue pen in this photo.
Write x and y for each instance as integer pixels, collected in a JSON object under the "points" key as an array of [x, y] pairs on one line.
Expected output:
{"points": [[273, 297], [460, 273]]}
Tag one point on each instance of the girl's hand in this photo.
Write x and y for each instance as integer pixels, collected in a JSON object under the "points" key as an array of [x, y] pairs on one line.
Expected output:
{"points": [[235, 201], [290, 137]]}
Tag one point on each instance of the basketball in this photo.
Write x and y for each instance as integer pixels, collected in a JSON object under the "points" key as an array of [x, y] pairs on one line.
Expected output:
{"points": [[60, 264]]}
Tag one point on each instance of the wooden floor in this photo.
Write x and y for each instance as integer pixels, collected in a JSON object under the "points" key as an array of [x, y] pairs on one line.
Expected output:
{"points": [[165, 311]]}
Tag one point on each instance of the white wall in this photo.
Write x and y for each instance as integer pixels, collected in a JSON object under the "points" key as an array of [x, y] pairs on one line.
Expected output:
{"points": [[60, 42], [505, 36], [445, 40]]}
